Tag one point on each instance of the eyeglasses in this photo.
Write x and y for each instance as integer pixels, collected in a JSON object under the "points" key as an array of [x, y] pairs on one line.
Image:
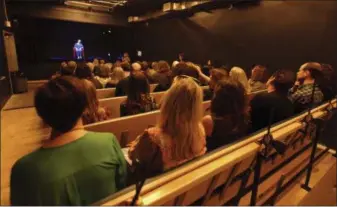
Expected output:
{"points": [[186, 76]]}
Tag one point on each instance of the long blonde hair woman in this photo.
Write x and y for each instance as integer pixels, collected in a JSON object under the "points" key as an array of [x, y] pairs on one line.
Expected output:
{"points": [[117, 75], [179, 135], [239, 74]]}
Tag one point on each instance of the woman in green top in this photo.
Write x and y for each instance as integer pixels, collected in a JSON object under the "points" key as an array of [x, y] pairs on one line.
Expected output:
{"points": [[74, 166]]}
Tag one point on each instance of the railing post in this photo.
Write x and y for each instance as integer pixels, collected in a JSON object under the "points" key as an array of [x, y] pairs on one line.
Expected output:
{"points": [[319, 124], [256, 182]]}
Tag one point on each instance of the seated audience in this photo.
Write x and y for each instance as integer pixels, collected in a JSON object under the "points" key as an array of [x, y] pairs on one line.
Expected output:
{"points": [[72, 65], [179, 135], [239, 74], [149, 72], [73, 166], [85, 73], [329, 84], [126, 58], [216, 76], [228, 120], [91, 66], [104, 75], [117, 75], [122, 85], [162, 77], [257, 80], [275, 99], [93, 112], [138, 96], [58, 73], [301, 93]]}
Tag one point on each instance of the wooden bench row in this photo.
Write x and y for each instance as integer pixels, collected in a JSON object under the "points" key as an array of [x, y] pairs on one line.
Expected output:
{"points": [[127, 128], [226, 176]]}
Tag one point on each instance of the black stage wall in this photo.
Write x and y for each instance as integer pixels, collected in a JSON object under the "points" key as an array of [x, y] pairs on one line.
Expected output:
{"points": [[281, 34], [42, 43]]}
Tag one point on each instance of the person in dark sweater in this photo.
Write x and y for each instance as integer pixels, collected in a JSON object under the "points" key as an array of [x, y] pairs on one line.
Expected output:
{"points": [[275, 99], [122, 85], [229, 115]]}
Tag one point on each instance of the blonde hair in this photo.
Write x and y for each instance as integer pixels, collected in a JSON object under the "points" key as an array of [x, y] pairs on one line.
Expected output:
{"points": [[180, 117], [238, 74], [117, 74]]}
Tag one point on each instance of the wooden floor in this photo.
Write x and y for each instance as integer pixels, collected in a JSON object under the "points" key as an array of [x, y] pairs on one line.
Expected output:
{"points": [[22, 132]]}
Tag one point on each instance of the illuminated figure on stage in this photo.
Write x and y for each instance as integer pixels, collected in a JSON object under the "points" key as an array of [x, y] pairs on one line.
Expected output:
{"points": [[78, 50]]}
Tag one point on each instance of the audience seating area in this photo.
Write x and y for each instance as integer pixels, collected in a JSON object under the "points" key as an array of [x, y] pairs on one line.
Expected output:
{"points": [[231, 174]]}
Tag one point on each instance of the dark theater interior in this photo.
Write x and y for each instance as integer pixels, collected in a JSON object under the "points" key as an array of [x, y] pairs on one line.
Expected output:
{"points": [[168, 102]]}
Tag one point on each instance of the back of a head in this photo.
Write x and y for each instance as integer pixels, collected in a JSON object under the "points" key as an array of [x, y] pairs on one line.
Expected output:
{"points": [[315, 70], [145, 66], [105, 71], [229, 99], [126, 66], [259, 73], [68, 69], [118, 74], [218, 74], [95, 62], [91, 66], [282, 80], [180, 115], [163, 67], [185, 69], [61, 102], [72, 65], [136, 66], [239, 75], [138, 85], [83, 72]]}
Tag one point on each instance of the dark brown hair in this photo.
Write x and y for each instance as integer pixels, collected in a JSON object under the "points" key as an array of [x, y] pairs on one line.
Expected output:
{"points": [[229, 100], [61, 102], [138, 85], [283, 81], [216, 76]]}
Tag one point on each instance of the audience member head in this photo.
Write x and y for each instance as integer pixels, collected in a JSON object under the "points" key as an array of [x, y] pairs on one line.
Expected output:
{"points": [[259, 73], [126, 66], [63, 65], [61, 102], [163, 67], [118, 63], [239, 75], [180, 116], [117, 74], [281, 81], [138, 86], [136, 67], [185, 69], [92, 101], [216, 76], [95, 62], [175, 63], [126, 57], [145, 66], [83, 72], [91, 66], [72, 65], [310, 71], [229, 100], [154, 66], [101, 62], [104, 72]]}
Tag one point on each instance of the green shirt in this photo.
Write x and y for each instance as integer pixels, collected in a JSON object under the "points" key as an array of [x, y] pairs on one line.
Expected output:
{"points": [[79, 173]]}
